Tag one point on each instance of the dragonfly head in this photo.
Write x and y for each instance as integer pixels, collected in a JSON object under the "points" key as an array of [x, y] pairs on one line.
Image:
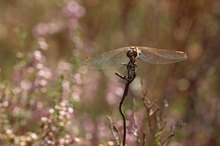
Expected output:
{"points": [[133, 52]]}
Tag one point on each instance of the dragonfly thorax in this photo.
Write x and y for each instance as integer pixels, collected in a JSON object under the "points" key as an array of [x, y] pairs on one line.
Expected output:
{"points": [[133, 52]]}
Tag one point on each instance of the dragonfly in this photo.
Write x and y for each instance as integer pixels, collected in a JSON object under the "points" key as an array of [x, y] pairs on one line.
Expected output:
{"points": [[119, 57]]}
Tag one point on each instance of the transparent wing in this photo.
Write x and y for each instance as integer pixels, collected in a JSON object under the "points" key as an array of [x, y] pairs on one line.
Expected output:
{"points": [[112, 59], [161, 56]]}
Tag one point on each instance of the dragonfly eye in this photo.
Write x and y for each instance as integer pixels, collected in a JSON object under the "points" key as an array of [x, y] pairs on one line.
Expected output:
{"points": [[132, 53]]}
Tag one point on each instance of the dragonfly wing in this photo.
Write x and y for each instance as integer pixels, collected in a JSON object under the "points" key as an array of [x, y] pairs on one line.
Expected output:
{"points": [[161, 56], [112, 59]]}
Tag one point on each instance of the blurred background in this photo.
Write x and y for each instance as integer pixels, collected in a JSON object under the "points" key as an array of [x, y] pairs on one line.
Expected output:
{"points": [[45, 90]]}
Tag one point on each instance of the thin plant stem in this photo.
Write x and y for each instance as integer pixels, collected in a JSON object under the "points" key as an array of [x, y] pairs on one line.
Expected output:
{"points": [[122, 114], [115, 132], [131, 67]]}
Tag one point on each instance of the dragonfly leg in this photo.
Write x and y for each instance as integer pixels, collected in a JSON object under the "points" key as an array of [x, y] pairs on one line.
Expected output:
{"points": [[122, 77], [124, 64]]}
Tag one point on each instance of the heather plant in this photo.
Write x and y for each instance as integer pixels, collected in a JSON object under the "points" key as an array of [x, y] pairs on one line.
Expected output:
{"points": [[26, 106]]}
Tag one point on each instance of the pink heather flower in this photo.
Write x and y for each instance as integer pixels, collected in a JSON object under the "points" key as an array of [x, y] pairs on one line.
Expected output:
{"points": [[45, 73], [73, 9], [37, 55], [42, 43], [77, 78], [41, 29], [25, 85]]}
